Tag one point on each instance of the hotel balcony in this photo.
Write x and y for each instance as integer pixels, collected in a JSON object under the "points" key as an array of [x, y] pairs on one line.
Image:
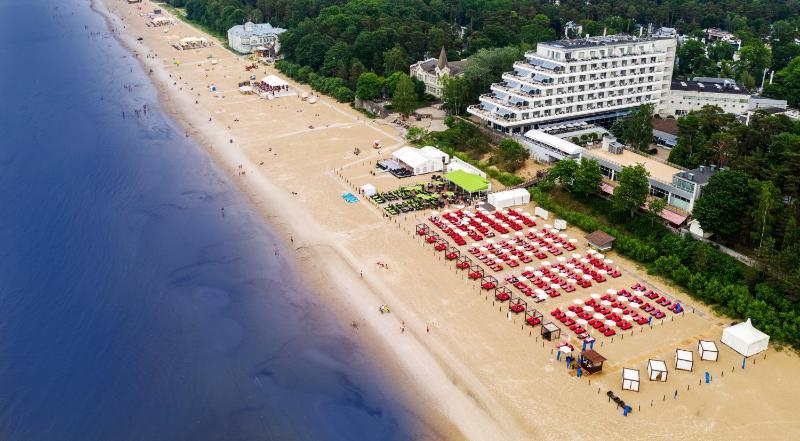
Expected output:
{"points": [[490, 98]]}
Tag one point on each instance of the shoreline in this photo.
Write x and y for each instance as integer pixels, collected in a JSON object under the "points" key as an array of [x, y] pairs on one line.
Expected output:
{"points": [[426, 382]]}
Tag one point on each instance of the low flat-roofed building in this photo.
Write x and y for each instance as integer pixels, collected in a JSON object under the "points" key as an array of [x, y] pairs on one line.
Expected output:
{"points": [[545, 147], [679, 187], [686, 96]]}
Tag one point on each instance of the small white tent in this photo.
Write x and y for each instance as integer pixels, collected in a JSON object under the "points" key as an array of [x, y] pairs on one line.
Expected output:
{"points": [[745, 339], [657, 370], [684, 360], [708, 350], [509, 198], [368, 190], [630, 379]]}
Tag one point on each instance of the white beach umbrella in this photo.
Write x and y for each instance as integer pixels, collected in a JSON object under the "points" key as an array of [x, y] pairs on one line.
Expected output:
{"points": [[610, 323], [591, 251], [462, 233], [605, 303], [584, 260], [581, 322], [587, 308], [570, 266], [561, 259], [598, 316], [570, 314], [595, 296], [576, 256], [498, 260], [546, 279], [573, 240], [522, 278], [519, 248], [611, 292], [547, 226], [603, 272], [608, 261], [572, 281], [599, 256], [528, 268], [559, 245], [587, 277], [555, 286], [519, 233], [622, 299], [565, 349], [538, 273], [634, 305], [577, 301], [545, 263], [542, 296], [563, 235], [578, 271], [504, 236], [627, 317], [616, 311]]}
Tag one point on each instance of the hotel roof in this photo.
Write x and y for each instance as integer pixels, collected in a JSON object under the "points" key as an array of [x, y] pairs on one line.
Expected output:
{"points": [[709, 87], [658, 170], [601, 41]]}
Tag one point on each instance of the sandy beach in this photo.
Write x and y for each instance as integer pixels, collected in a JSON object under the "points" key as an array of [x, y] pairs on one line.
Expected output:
{"points": [[471, 370]]}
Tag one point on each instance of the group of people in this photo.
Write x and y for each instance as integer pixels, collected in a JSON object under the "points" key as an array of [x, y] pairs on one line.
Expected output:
{"points": [[262, 87]]}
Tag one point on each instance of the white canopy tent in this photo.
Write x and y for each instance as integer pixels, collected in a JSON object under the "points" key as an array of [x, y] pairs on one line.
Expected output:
{"points": [[708, 350], [684, 360], [434, 153], [274, 81], [416, 161], [509, 198], [657, 370], [457, 164], [368, 190], [745, 339], [630, 379]]}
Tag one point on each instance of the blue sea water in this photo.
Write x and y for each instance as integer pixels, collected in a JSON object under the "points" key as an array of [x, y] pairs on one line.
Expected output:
{"points": [[130, 307]]}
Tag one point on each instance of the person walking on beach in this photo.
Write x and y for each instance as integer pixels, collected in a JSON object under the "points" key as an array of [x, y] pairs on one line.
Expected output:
{"points": [[403, 327], [427, 328]]}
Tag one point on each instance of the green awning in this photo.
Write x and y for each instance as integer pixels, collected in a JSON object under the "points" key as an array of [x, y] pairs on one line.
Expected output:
{"points": [[467, 181]]}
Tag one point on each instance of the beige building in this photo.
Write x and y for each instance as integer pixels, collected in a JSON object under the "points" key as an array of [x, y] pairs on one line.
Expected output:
{"points": [[431, 72], [686, 96]]}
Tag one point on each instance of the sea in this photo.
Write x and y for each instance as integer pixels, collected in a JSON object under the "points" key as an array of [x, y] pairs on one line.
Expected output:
{"points": [[132, 306]]}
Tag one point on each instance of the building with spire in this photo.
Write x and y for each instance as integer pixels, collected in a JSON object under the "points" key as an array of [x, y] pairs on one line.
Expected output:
{"points": [[431, 71]]}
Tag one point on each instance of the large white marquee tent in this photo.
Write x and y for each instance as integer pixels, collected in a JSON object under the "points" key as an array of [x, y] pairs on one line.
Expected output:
{"points": [[745, 339], [509, 198]]}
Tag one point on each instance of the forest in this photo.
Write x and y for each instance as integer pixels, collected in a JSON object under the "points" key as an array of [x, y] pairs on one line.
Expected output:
{"points": [[345, 38]]}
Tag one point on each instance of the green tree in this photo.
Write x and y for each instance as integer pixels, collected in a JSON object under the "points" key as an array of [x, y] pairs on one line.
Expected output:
{"points": [[369, 86], [723, 203], [767, 210], [455, 94], [537, 31], [654, 208], [487, 66], [753, 59], [404, 99], [692, 59], [563, 173], [337, 60], [638, 127], [356, 69], [786, 84], [588, 177], [395, 60], [510, 156], [632, 190]]}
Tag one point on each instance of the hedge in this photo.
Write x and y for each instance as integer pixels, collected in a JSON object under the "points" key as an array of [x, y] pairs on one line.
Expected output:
{"points": [[331, 86]]}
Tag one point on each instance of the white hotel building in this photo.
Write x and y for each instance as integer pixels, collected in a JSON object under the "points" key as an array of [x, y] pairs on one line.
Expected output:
{"points": [[595, 79]]}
